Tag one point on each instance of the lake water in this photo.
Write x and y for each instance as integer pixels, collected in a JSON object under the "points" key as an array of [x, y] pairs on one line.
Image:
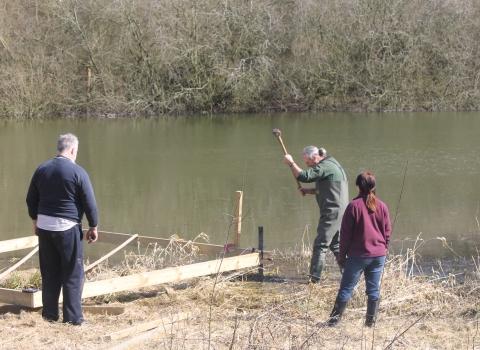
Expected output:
{"points": [[178, 175]]}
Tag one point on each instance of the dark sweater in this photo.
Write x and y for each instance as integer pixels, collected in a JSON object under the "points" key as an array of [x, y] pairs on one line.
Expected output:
{"points": [[60, 188], [364, 234]]}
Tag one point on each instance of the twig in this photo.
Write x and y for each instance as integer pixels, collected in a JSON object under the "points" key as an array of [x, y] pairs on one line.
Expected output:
{"points": [[267, 312], [400, 198], [399, 335], [271, 334], [217, 275], [476, 331], [393, 226], [476, 216], [234, 332], [306, 311]]}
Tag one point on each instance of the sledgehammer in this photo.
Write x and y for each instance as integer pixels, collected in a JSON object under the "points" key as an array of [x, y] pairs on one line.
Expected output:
{"points": [[278, 134]]}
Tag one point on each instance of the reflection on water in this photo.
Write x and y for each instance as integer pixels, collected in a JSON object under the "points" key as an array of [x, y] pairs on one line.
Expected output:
{"points": [[178, 175]]}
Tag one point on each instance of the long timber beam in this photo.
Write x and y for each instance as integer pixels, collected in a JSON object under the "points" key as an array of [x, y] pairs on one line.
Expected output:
{"points": [[18, 243], [137, 281], [119, 238]]}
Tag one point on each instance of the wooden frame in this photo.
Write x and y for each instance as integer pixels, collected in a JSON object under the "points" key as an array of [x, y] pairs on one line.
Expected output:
{"points": [[225, 260], [137, 281]]}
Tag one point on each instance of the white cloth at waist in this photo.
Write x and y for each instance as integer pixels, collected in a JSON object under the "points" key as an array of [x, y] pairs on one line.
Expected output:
{"points": [[51, 223]]}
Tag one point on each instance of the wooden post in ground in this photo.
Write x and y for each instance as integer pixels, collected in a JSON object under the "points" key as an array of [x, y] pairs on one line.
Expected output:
{"points": [[237, 219]]}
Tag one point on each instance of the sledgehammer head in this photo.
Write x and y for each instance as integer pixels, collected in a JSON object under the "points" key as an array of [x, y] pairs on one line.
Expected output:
{"points": [[277, 132]]}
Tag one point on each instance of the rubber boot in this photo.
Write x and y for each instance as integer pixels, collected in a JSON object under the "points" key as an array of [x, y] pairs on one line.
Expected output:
{"points": [[337, 312], [372, 310], [316, 271]]}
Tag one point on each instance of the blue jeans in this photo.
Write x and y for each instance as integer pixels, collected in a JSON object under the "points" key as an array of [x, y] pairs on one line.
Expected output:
{"points": [[372, 269]]}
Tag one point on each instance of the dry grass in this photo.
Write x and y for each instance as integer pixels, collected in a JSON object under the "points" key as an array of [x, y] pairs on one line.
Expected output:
{"points": [[418, 310], [23, 279]]}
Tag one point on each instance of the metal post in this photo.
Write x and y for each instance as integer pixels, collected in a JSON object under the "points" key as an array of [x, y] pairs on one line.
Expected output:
{"points": [[260, 247]]}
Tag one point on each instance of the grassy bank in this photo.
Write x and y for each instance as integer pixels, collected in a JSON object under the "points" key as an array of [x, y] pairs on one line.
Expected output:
{"points": [[434, 311], [130, 57]]}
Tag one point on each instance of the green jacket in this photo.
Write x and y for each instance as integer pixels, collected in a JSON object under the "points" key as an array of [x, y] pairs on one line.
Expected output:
{"points": [[331, 186]]}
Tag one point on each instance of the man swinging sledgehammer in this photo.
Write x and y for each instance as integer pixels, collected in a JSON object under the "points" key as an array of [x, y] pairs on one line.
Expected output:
{"points": [[331, 192]]}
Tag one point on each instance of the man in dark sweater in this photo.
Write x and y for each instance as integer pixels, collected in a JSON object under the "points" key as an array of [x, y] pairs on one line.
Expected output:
{"points": [[59, 194], [331, 192]]}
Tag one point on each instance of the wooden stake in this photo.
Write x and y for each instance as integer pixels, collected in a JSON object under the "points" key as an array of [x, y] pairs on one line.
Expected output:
{"points": [[237, 219]]}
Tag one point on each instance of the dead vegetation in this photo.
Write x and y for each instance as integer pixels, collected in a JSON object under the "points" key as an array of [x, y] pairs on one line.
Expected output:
{"points": [[111, 58], [418, 310]]}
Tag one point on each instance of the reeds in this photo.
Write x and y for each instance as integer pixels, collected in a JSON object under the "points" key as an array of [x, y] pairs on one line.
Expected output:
{"points": [[206, 56], [427, 306]]}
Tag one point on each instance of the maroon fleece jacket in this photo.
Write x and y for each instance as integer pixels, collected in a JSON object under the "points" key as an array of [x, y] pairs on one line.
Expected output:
{"points": [[364, 234]]}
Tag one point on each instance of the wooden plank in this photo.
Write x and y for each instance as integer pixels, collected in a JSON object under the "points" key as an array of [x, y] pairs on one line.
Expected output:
{"points": [[146, 326], [119, 284], [203, 248], [118, 238], [18, 243], [28, 256], [112, 237], [34, 301], [111, 310], [237, 219], [110, 253], [37, 299], [17, 297], [16, 309], [137, 341], [171, 274]]}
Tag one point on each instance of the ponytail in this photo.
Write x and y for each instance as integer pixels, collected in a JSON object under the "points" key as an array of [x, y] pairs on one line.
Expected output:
{"points": [[372, 202], [366, 184]]}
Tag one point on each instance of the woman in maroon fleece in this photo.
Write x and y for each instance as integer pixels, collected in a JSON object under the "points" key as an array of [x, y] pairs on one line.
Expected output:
{"points": [[364, 238]]}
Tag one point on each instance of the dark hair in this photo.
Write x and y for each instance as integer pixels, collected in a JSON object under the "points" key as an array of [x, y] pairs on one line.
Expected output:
{"points": [[366, 183]]}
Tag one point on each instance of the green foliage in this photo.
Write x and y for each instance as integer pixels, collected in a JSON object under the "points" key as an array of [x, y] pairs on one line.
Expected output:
{"points": [[19, 280], [150, 57]]}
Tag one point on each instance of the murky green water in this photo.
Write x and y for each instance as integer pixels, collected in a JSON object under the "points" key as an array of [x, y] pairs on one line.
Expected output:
{"points": [[178, 175]]}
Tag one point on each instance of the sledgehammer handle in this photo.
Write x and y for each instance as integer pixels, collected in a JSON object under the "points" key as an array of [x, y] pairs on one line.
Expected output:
{"points": [[278, 134], [281, 144]]}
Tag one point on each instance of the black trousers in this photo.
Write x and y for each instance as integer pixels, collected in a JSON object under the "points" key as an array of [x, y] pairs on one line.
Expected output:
{"points": [[61, 266]]}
